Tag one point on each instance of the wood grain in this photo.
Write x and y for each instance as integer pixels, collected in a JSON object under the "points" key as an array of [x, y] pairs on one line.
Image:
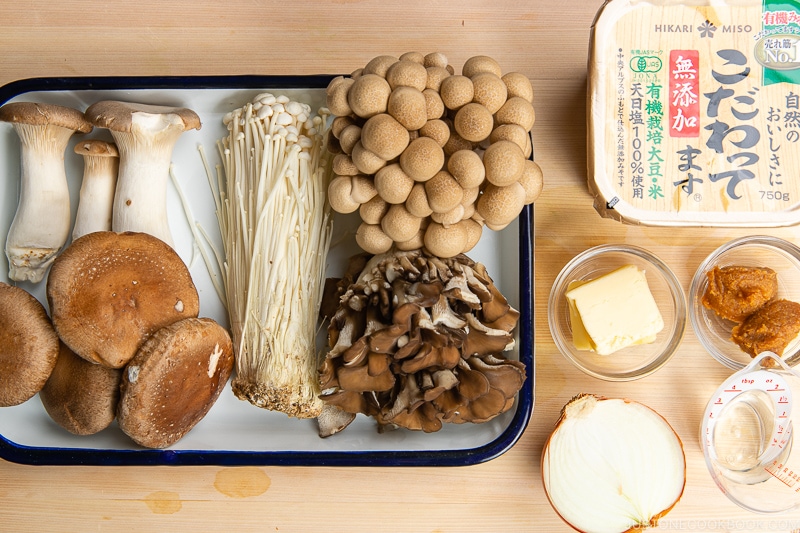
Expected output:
{"points": [[547, 41]]}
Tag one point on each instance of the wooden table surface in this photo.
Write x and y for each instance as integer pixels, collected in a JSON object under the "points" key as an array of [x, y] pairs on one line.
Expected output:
{"points": [[546, 40]]}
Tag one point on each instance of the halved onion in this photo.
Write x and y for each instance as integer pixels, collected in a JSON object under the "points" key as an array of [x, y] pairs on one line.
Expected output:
{"points": [[612, 465]]}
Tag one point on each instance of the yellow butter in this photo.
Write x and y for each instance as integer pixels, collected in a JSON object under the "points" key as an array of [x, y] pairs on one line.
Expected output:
{"points": [[580, 338], [613, 311]]}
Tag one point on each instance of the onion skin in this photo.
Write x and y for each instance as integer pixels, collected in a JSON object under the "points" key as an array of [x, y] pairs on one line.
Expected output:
{"points": [[653, 520]]}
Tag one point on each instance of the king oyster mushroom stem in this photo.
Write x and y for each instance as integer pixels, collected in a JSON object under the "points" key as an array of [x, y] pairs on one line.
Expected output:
{"points": [[100, 168], [409, 343], [42, 220], [145, 136]]}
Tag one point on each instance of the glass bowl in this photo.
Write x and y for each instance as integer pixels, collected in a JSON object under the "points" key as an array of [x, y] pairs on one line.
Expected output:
{"points": [[633, 362], [713, 331]]}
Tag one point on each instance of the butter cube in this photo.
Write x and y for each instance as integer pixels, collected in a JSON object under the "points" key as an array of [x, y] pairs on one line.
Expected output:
{"points": [[613, 311]]}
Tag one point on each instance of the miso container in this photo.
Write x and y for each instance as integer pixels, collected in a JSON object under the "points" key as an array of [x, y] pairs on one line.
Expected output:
{"points": [[694, 112]]}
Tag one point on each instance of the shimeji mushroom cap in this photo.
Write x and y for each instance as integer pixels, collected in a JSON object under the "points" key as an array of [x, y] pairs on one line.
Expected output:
{"points": [[118, 116], [39, 114], [28, 346], [109, 291]]}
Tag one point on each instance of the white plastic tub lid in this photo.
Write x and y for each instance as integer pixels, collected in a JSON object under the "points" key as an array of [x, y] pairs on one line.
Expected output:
{"points": [[694, 112]]}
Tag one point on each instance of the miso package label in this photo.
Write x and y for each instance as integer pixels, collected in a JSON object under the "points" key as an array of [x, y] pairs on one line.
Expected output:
{"points": [[694, 112]]}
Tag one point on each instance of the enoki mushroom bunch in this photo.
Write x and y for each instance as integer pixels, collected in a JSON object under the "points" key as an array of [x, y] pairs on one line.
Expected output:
{"points": [[276, 229], [429, 157]]}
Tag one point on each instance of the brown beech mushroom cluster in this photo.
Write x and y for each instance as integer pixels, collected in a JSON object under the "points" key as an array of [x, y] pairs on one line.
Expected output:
{"points": [[429, 157], [417, 341]]}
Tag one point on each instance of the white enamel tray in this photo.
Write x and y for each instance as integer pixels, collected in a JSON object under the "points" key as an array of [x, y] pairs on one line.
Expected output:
{"points": [[235, 432]]}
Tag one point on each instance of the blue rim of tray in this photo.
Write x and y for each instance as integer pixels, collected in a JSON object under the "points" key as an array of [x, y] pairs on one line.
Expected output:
{"points": [[17, 453]]}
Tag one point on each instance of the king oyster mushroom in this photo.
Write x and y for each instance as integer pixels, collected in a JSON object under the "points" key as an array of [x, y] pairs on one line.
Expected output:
{"points": [[100, 168], [145, 136], [417, 340], [42, 220]]}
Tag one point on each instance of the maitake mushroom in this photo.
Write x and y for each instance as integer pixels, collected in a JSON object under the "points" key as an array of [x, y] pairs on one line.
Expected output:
{"points": [[417, 340]]}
